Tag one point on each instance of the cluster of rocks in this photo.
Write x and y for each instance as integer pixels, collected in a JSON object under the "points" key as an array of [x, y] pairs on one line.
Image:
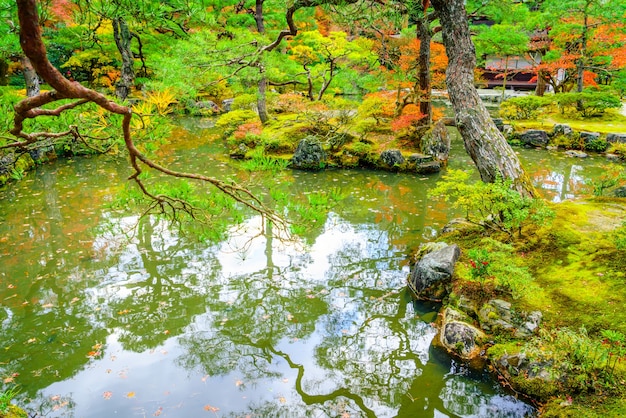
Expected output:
{"points": [[465, 329], [435, 148], [540, 138]]}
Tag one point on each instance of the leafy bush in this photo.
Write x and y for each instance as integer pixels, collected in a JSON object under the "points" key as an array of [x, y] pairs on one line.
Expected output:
{"points": [[524, 107], [618, 148], [494, 206], [587, 103], [229, 122], [612, 175]]}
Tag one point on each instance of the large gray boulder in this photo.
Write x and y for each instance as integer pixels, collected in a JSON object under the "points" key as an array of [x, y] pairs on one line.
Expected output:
{"points": [[309, 154], [534, 138], [496, 316], [391, 157], [432, 275], [436, 142]]}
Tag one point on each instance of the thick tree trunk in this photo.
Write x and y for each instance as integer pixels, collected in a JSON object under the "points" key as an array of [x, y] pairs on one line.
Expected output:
{"points": [[261, 102], [258, 16], [122, 37], [424, 35], [4, 67], [483, 142], [30, 77]]}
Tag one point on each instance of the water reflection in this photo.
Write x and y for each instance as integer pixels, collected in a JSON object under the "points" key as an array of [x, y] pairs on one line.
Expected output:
{"points": [[104, 312]]}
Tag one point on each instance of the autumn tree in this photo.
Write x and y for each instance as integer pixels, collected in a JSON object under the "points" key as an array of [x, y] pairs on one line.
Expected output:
{"points": [[487, 147], [586, 35]]}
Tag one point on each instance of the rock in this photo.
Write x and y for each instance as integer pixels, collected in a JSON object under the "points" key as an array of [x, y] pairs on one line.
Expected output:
{"points": [[589, 136], [575, 153], [432, 274], [530, 326], [239, 152], [613, 157], [457, 224], [391, 157], [561, 129], [458, 336], [428, 168], [612, 138], [207, 104], [534, 137], [507, 130], [620, 192], [227, 104], [496, 315], [436, 142], [419, 158], [309, 154]]}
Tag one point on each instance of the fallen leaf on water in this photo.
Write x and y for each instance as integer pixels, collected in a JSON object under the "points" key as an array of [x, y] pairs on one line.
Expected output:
{"points": [[123, 312], [55, 398], [205, 377], [210, 408], [285, 380], [282, 399], [158, 411], [74, 300], [107, 395], [47, 305], [31, 340], [130, 395], [238, 383]]}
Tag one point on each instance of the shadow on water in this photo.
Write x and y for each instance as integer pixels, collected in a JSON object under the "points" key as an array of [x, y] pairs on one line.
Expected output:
{"points": [[106, 313]]}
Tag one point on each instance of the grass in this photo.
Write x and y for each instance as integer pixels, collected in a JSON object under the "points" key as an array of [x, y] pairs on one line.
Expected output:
{"points": [[6, 397]]}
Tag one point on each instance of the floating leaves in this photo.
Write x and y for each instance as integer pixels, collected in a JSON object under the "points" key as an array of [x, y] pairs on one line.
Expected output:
{"points": [[130, 395], [211, 408], [107, 395]]}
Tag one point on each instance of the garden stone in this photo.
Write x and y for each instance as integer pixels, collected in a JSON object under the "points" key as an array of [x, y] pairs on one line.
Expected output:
{"points": [[309, 154], [499, 124], [433, 272], [391, 157], [239, 152], [419, 158], [561, 129], [620, 192], [613, 157], [227, 104], [612, 138], [458, 336], [577, 154], [429, 168], [530, 326], [534, 137]]}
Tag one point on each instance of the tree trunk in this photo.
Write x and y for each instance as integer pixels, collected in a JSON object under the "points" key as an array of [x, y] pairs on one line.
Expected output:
{"points": [[424, 35], [258, 16], [122, 37], [540, 90], [483, 142], [261, 101], [4, 67], [30, 77]]}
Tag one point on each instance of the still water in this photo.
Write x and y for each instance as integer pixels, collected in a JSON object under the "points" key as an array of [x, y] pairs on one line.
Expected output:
{"points": [[107, 314]]}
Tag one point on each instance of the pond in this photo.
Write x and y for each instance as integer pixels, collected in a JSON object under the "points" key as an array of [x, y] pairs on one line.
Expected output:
{"points": [[107, 313]]}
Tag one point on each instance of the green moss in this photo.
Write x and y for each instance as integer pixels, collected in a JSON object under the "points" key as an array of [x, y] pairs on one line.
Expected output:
{"points": [[537, 388], [14, 412]]}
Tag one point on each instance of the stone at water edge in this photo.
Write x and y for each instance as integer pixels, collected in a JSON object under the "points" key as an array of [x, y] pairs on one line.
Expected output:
{"points": [[432, 274]]}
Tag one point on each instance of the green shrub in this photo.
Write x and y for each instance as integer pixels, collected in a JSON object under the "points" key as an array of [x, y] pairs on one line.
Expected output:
{"points": [[612, 175], [523, 107], [494, 206], [229, 122], [596, 145], [587, 103]]}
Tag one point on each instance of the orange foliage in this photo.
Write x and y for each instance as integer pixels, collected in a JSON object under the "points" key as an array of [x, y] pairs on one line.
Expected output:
{"points": [[62, 10], [323, 21], [291, 103], [253, 128], [410, 115]]}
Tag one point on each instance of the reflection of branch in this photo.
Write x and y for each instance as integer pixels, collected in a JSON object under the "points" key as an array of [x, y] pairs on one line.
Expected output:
{"points": [[320, 399]]}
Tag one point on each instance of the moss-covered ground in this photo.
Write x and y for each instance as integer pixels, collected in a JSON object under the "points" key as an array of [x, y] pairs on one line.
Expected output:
{"points": [[579, 284]]}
